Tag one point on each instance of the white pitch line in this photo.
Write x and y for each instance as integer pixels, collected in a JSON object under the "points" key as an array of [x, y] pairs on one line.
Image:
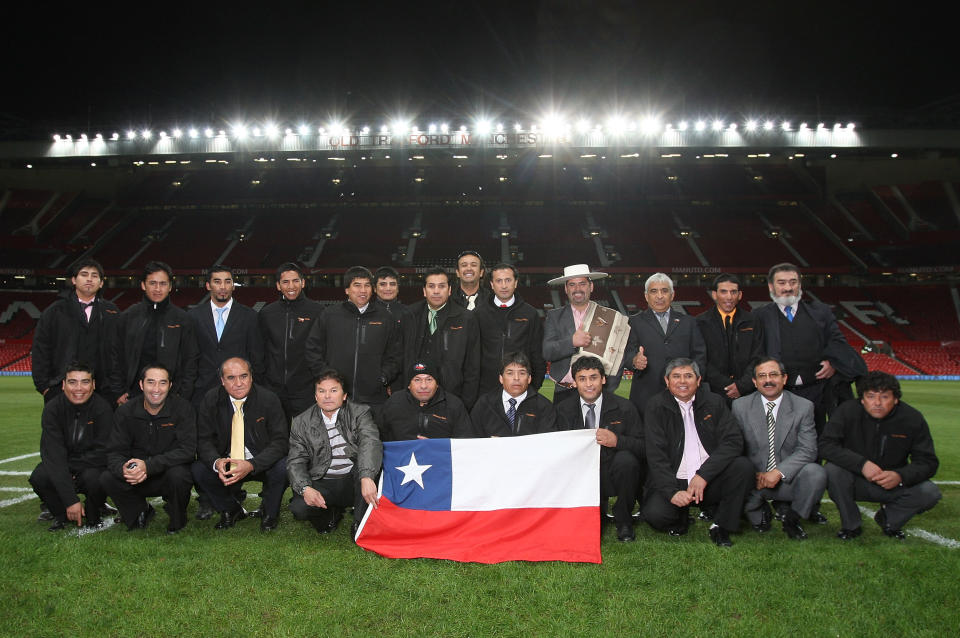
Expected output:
{"points": [[19, 499], [16, 489], [80, 532], [921, 533], [14, 473], [20, 458], [946, 482]]}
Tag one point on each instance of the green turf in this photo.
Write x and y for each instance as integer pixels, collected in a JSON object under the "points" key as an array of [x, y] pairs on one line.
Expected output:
{"points": [[296, 583]]}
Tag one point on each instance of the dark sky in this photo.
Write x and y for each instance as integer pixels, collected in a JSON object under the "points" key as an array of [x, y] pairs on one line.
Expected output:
{"points": [[163, 63]]}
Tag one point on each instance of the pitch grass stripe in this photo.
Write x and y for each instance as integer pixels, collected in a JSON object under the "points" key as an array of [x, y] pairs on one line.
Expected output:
{"points": [[920, 533], [19, 458], [19, 499]]}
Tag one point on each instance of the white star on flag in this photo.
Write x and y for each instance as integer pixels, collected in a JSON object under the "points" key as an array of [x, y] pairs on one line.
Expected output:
{"points": [[412, 471]]}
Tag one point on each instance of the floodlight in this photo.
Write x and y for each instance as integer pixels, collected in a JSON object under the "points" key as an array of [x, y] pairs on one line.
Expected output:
{"points": [[517, 127], [649, 125], [255, 131], [321, 131], [483, 127], [717, 125], [751, 125], [682, 125], [837, 126], [83, 137], [384, 130], [99, 136], [131, 135], [499, 127], [270, 129], [304, 129], [850, 126], [365, 130], [177, 133], [399, 127], [785, 126], [733, 126], [288, 132], [115, 137], [700, 125], [432, 128], [239, 131], [69, 137], [894, 155], [463, 129], [221, 133], [617, 125], [163, 135], [194, 133], [768, 125], [208, 132], [147, 134], [820, 126], [56, 137], [444, 127]]}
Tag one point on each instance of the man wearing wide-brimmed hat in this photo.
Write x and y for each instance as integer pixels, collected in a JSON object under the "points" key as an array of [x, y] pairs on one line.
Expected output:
{"points": [[582, 327]]}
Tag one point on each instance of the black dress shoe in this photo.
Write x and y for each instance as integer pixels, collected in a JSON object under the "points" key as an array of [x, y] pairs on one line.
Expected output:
{"points": [[817, 518], [625, 533], [204, 511], [268, 523], [766, 518], [707, 512], [637, 516], [229, 519], [849, 534], [791, 526], [94, 523], [57, 526], [143, 518], [45, 514], [720, 536], [881, 518], [108, 510]]}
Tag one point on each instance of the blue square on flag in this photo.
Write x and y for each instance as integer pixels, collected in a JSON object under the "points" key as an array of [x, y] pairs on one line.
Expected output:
{"points": [[417, 474]]}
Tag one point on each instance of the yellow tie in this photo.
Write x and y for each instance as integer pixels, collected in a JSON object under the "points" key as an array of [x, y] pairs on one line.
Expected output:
{"points": [[236, 432]]}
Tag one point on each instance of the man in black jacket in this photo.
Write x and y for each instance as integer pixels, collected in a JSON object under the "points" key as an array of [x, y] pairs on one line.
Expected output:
{"points": [[79, 325], [151, 446], [360, 339], [508, 324], [733, 340], [242, 436], [224, 329], [73, 443], [387, 288], [619, 433], [515, 408], [694, 456], [879, 449], [447, 335], [154, 331], [470, 292], [285, 326], [424, 410]]}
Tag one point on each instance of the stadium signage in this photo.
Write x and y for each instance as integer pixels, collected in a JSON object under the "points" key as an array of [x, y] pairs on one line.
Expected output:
{"points": [[435, 139]]}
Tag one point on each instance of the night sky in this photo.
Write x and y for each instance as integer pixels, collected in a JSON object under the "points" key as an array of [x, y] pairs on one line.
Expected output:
{"points": [[163, 63]]}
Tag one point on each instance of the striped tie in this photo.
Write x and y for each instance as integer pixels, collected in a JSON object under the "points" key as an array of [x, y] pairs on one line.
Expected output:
{"points": [[512, 413], [771, 433]]}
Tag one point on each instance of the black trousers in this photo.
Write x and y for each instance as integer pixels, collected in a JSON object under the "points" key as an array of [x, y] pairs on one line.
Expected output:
{"points": [[85, 482], [227, 499], [727, 491], [901, 503], [339, 493], [620, 476], [173, 485]]}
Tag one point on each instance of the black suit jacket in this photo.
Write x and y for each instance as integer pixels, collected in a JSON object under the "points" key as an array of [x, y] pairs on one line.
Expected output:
{"points": [[832, 345], [534, 416], [683, 339], [616, 414], [729, 356], [240, 338], [264, 427]]}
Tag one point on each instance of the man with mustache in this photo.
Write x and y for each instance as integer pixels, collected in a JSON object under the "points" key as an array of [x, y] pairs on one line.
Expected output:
{"points": [[803, 334], [781, 442]]}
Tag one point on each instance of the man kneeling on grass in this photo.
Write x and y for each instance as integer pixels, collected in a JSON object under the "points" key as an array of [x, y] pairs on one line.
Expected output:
{"points": [[335, 456], [867, 444]]}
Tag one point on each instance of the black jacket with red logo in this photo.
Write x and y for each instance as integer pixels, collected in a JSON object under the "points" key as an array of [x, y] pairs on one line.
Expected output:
{"points": [[163, 440]]}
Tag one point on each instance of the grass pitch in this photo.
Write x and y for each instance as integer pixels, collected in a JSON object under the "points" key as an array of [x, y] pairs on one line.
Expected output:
{"points": [[297, 583]]}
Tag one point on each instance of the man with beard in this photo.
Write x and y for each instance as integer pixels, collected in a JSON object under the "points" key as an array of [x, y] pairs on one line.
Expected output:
{"points": [[151, 447], [79, 325], [155, 331], [224, 329], [508, 324], [285, 325], [804, 335], [470, 293], [73, 450]]}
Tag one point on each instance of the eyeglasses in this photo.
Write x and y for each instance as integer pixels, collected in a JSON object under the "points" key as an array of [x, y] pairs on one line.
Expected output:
{"points": [[763, 376]]}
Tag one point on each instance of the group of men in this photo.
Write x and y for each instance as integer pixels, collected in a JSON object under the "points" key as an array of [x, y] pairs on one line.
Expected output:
{"points": [[157, 400]]}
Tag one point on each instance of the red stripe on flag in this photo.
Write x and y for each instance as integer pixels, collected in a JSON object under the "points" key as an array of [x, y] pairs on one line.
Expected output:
{"points": [[534, 534]]}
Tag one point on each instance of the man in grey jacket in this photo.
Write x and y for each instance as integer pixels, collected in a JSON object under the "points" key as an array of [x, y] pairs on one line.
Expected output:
{"points": [[335, 457]]}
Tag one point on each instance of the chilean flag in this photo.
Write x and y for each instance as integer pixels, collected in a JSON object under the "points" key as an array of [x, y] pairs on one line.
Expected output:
{"points": [[534, 497]]}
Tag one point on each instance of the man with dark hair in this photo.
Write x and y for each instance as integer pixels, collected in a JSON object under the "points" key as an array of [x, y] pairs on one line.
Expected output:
{"points": [[565, 330], [879, 449], [516, 407], [733, 339], [80, 325], [155, 331], [781, 442], [446, 335], [224, 329], [425, 410], [360, 339], [151, 447], [73, 450], [387, 288], [335, 456], [470, 292], [508, 324], [657, 335], [619, 433], [804, 335], [694, 448], [284, 326], [242, 436]]}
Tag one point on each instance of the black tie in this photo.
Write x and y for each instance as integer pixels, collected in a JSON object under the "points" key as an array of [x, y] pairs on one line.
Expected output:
{"points": [[83, 310], [726, 323]]}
